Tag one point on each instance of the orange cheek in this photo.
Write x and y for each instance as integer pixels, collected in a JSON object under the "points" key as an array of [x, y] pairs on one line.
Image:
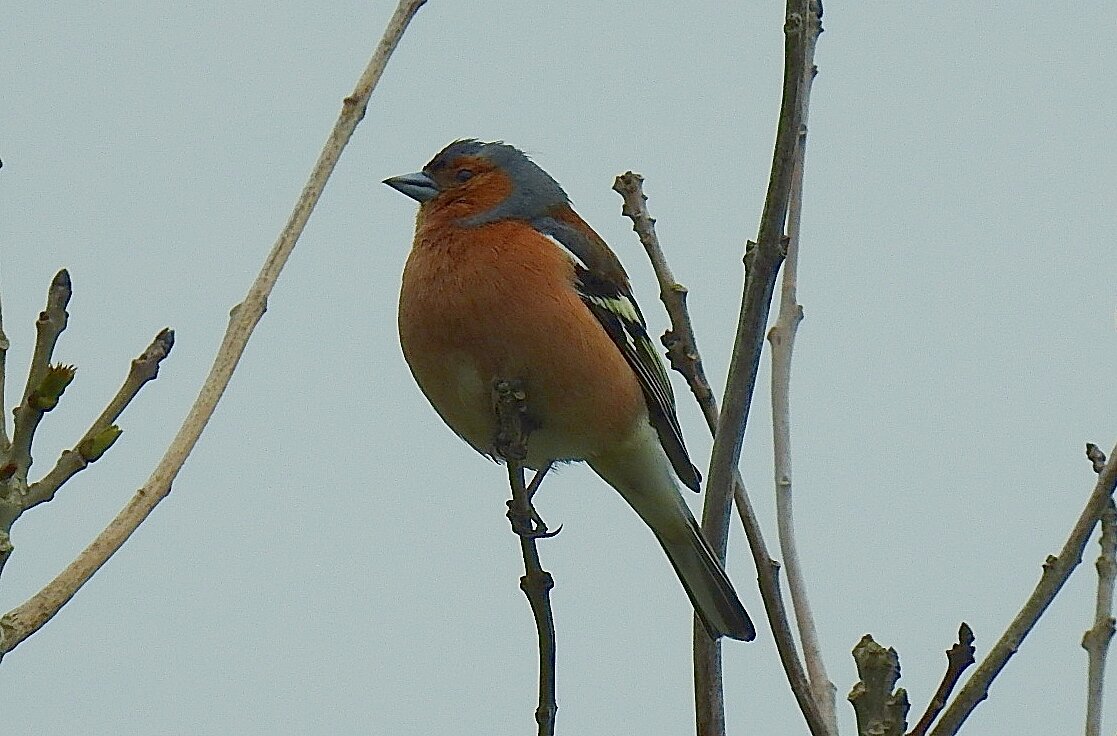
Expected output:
{"points": [[476, 196]]}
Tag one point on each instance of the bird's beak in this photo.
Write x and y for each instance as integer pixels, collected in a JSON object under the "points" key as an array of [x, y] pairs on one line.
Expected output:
{"points": [[418, 186]]}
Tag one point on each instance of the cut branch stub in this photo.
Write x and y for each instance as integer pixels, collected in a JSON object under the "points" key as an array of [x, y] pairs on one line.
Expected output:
{"points": [[1096, 457], [880, 710]]}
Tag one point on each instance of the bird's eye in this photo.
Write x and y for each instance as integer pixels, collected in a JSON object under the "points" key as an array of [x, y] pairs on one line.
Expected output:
{"points": [[463, 175]]}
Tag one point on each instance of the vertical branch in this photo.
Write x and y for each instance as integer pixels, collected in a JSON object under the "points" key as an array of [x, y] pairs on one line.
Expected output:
{"points": [[5, 443], [15, 456], [769, 583], [682, 350], [762, 266], [782, 339], [29, 617], [52, 321], [1056, 571], [510, 403], [1096, 640]]}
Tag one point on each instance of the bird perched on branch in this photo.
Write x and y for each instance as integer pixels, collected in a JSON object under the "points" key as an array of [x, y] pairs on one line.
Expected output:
{"points": [[506, 282]]}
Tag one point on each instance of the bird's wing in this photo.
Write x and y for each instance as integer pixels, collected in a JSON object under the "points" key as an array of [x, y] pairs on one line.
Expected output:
{"points": [[603, 286], [617, 311]]}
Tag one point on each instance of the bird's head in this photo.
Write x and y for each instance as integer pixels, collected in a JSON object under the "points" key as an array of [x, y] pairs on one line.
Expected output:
{"points": [[474, 183]]}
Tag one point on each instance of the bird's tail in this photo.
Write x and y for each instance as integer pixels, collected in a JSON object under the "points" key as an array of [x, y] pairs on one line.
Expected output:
{"points": [[642, 474], [705, 581]]}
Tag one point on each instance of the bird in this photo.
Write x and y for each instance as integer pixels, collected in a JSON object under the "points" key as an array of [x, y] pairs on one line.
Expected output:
{"points": [[505, 281]]}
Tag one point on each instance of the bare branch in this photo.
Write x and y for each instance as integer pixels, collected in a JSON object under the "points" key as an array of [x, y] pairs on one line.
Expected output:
{"points": [[769, 582], [685, 358], [782, 340], [958, 658], [682, 348], [881, 711], [52, 321], [5, 443], [143, 369], [1056, 570], [29, 617], [762, 266], [1098, 637], [511, 442]]}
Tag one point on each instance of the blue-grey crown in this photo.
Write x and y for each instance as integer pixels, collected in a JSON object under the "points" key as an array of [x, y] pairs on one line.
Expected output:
{"points": [[533, 193]]}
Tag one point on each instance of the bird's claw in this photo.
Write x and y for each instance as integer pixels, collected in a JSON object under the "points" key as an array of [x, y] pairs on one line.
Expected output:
{"points": [[527, 523]]}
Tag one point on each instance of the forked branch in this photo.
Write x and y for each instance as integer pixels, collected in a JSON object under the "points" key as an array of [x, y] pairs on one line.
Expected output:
{"points": [[682, 350], [24, 620], [1056, 571], [46, 383]]}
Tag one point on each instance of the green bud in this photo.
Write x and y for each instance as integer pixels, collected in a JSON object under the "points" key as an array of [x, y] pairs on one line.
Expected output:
{"points": [[93, 448], [51, 388]]}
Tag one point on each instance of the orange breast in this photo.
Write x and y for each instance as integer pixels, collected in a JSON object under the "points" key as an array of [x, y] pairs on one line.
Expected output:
{"points": [[497, 301]]}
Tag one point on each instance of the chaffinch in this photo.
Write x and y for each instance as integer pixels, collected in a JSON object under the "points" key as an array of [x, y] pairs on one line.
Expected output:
{"points": [[506, 281]]}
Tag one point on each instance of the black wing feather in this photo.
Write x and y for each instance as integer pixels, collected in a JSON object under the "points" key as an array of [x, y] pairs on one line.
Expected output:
{"points": [[618, 313]]}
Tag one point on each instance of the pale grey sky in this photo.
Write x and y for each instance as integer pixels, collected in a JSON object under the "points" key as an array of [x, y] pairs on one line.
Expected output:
{"points": [[333, 560]]}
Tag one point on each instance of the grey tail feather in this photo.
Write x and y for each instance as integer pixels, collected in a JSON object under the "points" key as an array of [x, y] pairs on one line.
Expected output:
{"points": [[708, 587]]}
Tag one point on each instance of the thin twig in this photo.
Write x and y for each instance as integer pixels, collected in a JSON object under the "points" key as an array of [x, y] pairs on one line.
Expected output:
{"points": [[511, 443], [769, 582], [1097, 638], [682, 349], [15, 458], [52, 321], [1056, 570], [96, 441], [24, 620], [958, 659], [5, 443], [762, 266], [143, 369], [880, 709], [782, 339]]}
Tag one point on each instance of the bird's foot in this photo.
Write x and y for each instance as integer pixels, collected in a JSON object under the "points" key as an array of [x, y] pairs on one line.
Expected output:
{"points": [[527, 522]]}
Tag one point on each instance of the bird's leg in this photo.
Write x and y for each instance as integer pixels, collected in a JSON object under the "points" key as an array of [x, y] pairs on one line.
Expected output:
{"points": [[510, 443], [526, 521], [537, 528], [536, 479]]}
